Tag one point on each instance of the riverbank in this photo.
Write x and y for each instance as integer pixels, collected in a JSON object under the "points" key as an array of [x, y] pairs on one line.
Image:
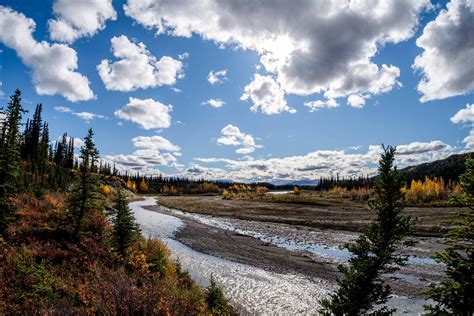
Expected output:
{"points": [[344, 215], [297, 249]]}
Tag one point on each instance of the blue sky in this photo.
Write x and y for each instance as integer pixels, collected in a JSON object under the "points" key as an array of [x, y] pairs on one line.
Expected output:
{"points": [[277, 56]]}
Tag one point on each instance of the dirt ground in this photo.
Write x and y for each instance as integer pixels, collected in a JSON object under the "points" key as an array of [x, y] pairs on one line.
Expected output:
{"points": [[348, 216]]}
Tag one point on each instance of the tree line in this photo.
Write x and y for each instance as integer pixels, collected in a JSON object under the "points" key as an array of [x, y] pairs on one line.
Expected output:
{"points": [[30, 163]]}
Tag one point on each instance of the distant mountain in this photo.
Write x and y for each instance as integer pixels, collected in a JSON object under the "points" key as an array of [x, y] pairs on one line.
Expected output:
{"points": [[449, 168], [301, 183]]}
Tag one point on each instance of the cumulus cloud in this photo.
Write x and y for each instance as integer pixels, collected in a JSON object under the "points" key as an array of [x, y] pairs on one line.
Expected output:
{"points": [[312, 47], [53, 65], [215, 103], [231, 135], [447, 61], [137, 68], [150, 151], [464, 115], [217, 76], [469, 140], [86, 116], [147, 113], [356, 100], [319, 163], [154, 143], [420, 148], [319, 104], [266, 95], [79, 18]]}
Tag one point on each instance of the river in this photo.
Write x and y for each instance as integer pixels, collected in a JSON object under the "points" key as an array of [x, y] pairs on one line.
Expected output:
{"points": [[252, 290]]}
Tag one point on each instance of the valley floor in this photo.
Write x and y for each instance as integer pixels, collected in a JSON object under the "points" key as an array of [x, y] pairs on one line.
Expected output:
{"points": [[286, 238]]}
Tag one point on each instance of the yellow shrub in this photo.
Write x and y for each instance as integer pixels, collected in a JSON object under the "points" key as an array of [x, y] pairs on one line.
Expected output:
{"points": [[138, 261], [106, 189], [296, 190], [226, 194]]}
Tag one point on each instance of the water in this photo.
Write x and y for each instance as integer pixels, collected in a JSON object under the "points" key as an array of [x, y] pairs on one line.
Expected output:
{"points": [[252, 290], [332, 253], [256, 291]]}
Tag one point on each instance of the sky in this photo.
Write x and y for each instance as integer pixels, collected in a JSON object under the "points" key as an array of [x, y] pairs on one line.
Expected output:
{"points": [[247, 90]]}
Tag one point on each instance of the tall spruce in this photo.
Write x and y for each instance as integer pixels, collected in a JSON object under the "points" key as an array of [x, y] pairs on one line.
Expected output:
{"points": [[43, 153], [455, 294], [84, 197], [125, 230], [10, 160], [361, 287]]}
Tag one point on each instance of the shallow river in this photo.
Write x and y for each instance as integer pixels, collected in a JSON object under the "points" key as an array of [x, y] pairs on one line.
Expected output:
{"points": [[251, 289]]}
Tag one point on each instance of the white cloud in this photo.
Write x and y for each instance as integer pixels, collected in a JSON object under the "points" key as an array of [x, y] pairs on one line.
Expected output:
{"points": [[150, 151], [421, 148], [447, 62], [87, 116], [79, 18], [137, 68], [148, 113], [319, 104], [154, 143], [469, 140], [319, 163], [78, 142], [183, 56], [356, 100], [62, 109], [231, 135], [310, 47], [266, 95], [216, 103], [53, 65], [464, 115], [217, 76]]}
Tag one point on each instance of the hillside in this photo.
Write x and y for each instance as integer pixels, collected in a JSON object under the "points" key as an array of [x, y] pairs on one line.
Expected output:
{"points": [[449, 168]]}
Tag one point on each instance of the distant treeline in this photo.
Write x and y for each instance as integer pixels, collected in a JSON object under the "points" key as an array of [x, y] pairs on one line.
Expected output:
{"points": [[179, 185]]}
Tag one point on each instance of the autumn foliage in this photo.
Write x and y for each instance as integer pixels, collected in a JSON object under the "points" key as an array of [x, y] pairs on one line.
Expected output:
{"points": [[44, 272], [430, 190]]}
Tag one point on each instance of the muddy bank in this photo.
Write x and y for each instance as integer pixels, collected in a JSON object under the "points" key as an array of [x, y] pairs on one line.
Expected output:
{"points": [[248, 250]]}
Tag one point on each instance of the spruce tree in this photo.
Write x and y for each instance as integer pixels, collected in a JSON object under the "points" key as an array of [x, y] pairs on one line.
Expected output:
{"points": [[455, 294], [10, 160], [84, 196], [43, 154], [125, 230], [361, 286]]}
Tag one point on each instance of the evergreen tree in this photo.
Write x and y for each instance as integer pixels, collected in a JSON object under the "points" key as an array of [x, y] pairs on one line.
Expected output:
{"points": [[10, 159], [216, 300], [125, 230], [85, 193], [361, 286], [43, 155], [35, 135], [455, 294]]}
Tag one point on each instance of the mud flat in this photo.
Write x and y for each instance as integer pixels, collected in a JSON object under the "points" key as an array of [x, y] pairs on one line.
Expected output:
{"points": [[343, 214]]}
